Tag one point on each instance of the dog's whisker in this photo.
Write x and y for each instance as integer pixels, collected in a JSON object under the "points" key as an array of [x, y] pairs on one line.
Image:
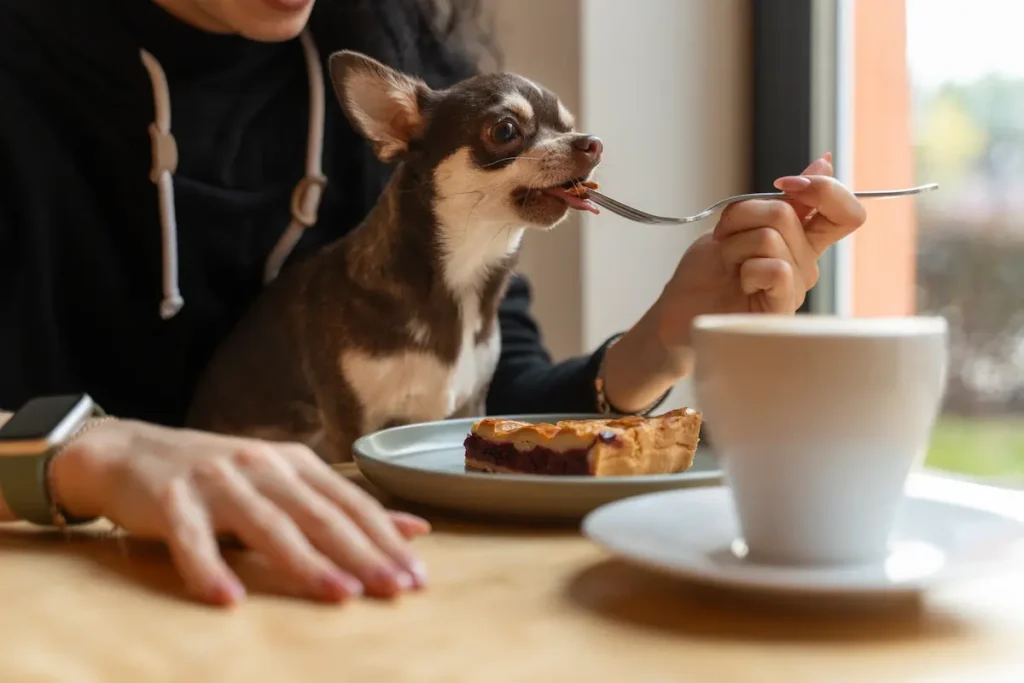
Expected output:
{"points": [[532, 185], [521, 156], [506, 228], [469, 214]]}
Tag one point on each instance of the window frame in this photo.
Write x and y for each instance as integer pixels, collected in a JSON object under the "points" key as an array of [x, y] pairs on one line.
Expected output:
{"points": [[802, 53]]}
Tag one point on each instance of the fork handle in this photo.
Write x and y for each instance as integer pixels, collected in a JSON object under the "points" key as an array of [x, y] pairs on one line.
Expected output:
{"points": [[897, 193], [865, 194]]}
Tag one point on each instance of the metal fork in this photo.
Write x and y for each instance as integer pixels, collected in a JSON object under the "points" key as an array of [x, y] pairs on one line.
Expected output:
{"points": [[638, 216]]}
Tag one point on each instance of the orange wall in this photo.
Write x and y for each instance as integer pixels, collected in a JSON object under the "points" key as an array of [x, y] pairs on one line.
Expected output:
{"points": [[884, 249]]}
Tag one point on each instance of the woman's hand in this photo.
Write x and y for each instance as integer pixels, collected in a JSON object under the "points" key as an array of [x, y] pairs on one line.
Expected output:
{"points": [[762, 257], [321, 531]]}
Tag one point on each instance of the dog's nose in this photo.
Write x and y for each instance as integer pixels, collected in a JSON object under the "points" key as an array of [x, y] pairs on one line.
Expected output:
{"points": [[590, 146]]}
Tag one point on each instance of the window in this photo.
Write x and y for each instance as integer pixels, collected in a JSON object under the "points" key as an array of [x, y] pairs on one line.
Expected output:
{"points": [[907, 92], [937, 94]]}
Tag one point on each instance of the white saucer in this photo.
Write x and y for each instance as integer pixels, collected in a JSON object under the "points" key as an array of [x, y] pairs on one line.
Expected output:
{"points": [[693, 534]]}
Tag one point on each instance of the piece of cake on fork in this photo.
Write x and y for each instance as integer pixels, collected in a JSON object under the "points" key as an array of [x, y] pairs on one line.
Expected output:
{"points": [[616, 447]]}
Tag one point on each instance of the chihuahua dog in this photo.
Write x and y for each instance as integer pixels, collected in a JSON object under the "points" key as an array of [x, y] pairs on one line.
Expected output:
{"points": [[397, 321]]}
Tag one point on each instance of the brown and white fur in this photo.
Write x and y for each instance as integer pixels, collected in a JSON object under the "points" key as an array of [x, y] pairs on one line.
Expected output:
{"points": [[397, 321]]}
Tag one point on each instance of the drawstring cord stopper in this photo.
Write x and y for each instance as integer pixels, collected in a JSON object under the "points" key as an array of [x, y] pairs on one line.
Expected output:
{"points": [[170, 305], [306, 199], [164, 152]]}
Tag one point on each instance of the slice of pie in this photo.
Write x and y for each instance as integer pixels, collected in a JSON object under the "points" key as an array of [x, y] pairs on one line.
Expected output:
{"points": [[601, 448]]}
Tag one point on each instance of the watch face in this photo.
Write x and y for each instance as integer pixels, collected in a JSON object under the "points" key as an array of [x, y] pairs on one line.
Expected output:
{"points": [[48, 419]]}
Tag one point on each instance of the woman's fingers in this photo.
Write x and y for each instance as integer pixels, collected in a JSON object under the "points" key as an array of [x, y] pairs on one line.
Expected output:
{"points": [[768, 229], [820, 166], [770, 283], [766, 268], [188, 487], [284, 502], [238, 507], [410, 526], [380, 527], [838, 212], [338, 537], [194, 549], [771, 243], [775, 244], [764, 242]]}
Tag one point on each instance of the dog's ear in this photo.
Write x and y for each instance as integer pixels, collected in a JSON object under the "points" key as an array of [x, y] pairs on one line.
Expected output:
{"points": [[383, 104]]}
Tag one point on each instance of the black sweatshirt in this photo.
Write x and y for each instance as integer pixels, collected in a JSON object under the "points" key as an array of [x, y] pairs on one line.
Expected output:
{"points": [[80, 235]]}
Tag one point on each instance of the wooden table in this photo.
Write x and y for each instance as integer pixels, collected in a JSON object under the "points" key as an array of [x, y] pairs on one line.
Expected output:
{"points": [[506, 604]]}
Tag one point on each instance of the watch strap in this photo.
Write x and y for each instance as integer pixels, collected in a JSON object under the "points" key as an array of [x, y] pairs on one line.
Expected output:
{"points": [[25, 481], [58, 514]]}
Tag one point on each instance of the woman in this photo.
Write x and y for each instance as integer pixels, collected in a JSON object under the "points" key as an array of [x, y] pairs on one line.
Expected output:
{"points": [[87, 240]]}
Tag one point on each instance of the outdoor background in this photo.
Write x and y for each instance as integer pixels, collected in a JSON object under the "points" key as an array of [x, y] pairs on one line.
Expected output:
{"points": [[966, 64]]}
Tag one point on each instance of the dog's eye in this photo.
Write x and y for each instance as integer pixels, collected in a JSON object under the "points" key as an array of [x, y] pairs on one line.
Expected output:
{"points": [[505, 132]]}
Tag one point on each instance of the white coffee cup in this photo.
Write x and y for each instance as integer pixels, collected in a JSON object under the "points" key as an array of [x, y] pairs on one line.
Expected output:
{"points": [[818, 422]]}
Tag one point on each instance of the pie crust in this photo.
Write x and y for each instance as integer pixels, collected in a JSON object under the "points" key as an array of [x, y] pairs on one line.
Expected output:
{"points": [[617, 447]]}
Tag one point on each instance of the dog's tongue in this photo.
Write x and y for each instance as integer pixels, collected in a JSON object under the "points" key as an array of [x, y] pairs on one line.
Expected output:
{"points": [[572, 200]]}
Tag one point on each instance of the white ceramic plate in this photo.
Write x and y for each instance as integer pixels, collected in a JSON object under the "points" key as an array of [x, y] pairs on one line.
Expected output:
{"points": [[694, 535], [424, 463]]}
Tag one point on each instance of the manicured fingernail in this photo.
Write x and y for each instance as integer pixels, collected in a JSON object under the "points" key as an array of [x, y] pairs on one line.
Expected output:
{"points": [[793, 184], [410, 523], [418, 572], [339, 586], [227, 593], [388, 580], [405, 580]]}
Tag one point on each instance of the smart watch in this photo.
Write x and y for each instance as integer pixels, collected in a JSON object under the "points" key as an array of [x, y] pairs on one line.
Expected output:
{"points": [[28, 441]]}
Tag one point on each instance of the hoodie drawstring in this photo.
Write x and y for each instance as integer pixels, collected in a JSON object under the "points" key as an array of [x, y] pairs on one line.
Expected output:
{"points": [[165, 162], [307, 194], [305, 201]]}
